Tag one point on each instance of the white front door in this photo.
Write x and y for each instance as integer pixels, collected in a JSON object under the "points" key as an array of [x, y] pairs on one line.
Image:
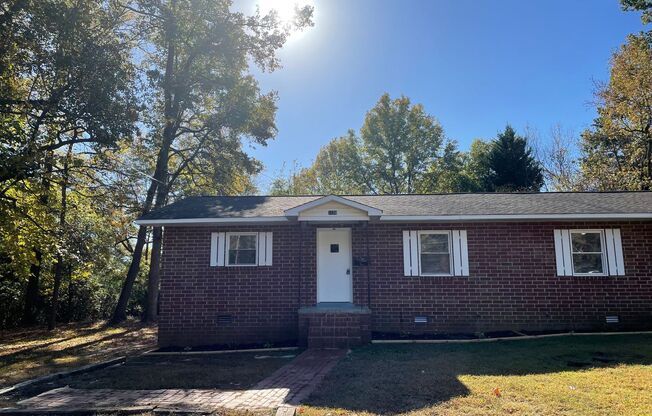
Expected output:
{"points": [[334, 282]]}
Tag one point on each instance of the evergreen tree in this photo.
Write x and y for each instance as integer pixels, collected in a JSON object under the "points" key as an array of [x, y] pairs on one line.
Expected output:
{"points": [[513, 168]]}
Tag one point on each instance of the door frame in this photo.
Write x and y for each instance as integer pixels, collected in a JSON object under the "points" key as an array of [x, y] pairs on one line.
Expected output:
{"points": [[350, 237]]}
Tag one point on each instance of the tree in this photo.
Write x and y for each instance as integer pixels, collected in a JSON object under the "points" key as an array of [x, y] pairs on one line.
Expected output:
{"points": [[203, 101], [559, 160], [617, 150], [66, 79], [66, 87], [513, 168], [399, 142], [449, 173], [477, 166], [644, 6]]}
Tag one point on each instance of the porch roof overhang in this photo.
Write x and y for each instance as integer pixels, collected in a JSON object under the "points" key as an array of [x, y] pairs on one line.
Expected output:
{"points": [[359, 208]]}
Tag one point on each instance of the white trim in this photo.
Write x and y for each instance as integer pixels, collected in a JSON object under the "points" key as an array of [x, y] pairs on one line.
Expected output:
{"points": [[495, 217], [333, 218], [451, 253], [371, 211], [227, 242], [208, 221], [603, 251]]}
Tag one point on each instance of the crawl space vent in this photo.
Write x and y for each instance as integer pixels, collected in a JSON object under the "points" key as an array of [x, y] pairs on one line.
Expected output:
{"points": [[612, 319], [224, 319], [332, 212], [420, 319]]}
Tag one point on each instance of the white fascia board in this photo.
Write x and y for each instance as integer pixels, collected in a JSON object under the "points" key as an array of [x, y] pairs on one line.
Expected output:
{"points": [[333, 218], [515, 217], [371, 211], [211, 221]]}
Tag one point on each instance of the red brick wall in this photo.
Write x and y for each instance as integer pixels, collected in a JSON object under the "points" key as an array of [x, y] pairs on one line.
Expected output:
{"points": [[263, 301], [512, 284]]}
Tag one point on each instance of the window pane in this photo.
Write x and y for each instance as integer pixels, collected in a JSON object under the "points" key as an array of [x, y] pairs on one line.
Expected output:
{"points": [[435, 264], [587, 263], [586, 242], [434, 243], [246, 257], [242, 242]]}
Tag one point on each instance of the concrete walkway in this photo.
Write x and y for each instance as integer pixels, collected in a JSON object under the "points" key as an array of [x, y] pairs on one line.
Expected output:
{"points": [[288, 385]]}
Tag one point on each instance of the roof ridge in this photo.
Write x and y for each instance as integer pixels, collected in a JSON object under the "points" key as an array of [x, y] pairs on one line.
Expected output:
{"points": [[423, 194]]}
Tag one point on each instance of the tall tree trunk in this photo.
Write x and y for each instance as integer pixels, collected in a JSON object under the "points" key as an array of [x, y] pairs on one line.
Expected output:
{"points": [[120, 312], [58, 267], [33, 283], [153, 280], [158, 186], [31, 292]]}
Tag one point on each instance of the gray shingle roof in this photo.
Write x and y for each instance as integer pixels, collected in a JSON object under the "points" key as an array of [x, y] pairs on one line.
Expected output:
{"points": [[419, 205]]}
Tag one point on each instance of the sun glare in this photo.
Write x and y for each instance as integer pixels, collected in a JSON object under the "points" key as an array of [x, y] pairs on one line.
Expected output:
{"points": [[285, 10]]}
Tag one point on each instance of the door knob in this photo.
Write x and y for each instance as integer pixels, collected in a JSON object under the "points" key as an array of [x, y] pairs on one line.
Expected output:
{"points": [[348, 271]]}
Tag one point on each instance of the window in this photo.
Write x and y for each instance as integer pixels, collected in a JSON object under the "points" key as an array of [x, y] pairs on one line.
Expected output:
{"points": [[587, 250], [242, 249], [434, 253]]}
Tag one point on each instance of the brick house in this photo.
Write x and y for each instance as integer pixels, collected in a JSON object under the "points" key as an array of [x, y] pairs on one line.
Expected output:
{"points": [[333, 270]]}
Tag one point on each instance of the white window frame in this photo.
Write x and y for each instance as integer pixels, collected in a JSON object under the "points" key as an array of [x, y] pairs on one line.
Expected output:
{"points": [[227, 243], [603, 251], [450, 251]]}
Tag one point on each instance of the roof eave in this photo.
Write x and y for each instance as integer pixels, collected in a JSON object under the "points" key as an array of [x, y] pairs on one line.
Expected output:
{"points": [[404, 218]]}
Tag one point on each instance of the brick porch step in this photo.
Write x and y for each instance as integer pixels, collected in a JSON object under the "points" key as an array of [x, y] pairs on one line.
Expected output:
{"points": [[334, 325]]}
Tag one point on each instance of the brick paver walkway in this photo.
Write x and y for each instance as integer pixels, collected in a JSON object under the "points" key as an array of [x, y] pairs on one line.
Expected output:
{"points": [[289, 385]]}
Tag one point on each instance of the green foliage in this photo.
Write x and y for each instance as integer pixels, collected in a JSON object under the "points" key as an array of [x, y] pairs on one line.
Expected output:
{"points": [[617, 150], [513, 168], [645, 6], [399, 142], [401, 149], [101, 101], [66, 78]]}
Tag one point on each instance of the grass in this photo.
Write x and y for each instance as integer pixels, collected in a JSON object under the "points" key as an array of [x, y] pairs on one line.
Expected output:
{"points": [[574, 375], [233, 371], [26, 354]]}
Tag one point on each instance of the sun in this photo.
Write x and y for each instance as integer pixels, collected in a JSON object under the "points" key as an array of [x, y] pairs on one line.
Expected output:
{"points": [[284, 9]]}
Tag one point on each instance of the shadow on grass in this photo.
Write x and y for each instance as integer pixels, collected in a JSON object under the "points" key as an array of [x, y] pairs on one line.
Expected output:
{"points": [[398, 378], [34, 353], [237, 371]]}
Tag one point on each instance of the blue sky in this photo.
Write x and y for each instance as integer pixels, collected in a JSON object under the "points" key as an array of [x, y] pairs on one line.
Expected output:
{"points": [[474, 64]]}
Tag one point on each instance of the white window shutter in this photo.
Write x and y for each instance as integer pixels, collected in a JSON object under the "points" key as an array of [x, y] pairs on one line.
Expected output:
{"points": [[563, 253], [410, 253], [265, 248], [219, 249], [614, 252], [268, 248], [460, 253], [213, 249]]}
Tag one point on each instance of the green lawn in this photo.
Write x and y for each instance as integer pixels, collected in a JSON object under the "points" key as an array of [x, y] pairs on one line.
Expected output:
{"points": [[573, 375]]}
